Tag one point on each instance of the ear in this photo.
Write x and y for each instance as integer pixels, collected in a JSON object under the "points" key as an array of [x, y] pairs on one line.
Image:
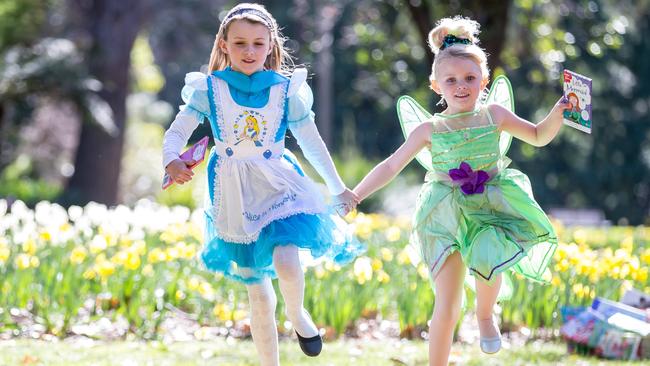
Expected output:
{"points": [[484, 83], [222, 46], [435, 87]]}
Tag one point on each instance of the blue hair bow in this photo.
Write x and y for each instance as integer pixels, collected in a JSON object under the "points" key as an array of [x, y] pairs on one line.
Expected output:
{"points": [[451, 40]]}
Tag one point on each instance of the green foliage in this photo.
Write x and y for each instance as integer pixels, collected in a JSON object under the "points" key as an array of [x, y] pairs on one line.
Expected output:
{"points": [[21, 20], [146, 74], [377, 56], [19, 181], [606, 41]]}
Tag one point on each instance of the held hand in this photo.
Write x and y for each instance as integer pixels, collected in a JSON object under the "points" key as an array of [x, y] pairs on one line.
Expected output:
{"points": [[556, 114], [179, 170], [345, 202]]}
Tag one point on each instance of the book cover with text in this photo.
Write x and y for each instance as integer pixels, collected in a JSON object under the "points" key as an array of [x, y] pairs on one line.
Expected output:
{"points": [[577, 90]]}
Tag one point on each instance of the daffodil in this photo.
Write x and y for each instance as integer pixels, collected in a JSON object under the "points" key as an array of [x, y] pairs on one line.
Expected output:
{"points": [[193, 283], [147, 270], [4, 251], [376, 264], [29, 246], [180, 295], [78, 255], [386, 254], [34, 261], [393, 234], [206, 291], [403, 257], [22, 261], [383, 277], [362, 270], [156, 255], [98, 244], [133, 260], [222, 312], [580, 236]]}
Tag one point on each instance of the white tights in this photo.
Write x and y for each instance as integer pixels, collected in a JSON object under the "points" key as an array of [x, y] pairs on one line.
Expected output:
{"points": [[262, 301]]}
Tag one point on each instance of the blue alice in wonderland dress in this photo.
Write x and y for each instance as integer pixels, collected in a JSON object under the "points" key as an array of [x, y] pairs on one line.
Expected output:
{"points": [[258, 195]]}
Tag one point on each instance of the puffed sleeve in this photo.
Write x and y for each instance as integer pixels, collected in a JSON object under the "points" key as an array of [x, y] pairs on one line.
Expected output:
{"points": [[303, 128], [195, 94], [300, 104], [191, 114]]}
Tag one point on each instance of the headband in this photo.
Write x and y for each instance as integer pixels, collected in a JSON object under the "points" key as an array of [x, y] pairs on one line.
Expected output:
{"points": [[451, 40], [252, 11]]}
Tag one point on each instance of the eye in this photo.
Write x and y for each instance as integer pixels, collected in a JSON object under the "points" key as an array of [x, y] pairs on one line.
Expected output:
{"points": [[451, 80], [470, 78]]}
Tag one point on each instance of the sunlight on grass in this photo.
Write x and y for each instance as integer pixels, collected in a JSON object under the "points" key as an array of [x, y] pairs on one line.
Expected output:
{"points": [[239, 353]]}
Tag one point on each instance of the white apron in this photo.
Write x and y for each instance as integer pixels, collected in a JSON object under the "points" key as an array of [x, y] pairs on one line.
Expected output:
{"points": [[254, 183]]}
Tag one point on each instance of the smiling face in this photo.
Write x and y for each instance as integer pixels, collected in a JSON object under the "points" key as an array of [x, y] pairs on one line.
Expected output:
{"points": [[459, 81], [247, 45]]}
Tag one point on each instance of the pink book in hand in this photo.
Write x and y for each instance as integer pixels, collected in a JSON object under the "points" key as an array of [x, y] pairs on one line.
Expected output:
{"points": [[196, 153]]}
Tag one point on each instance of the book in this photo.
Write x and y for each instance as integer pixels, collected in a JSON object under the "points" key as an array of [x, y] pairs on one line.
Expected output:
{"points": [[196, 153], [577, 90], [636, 298], [610, 307]]}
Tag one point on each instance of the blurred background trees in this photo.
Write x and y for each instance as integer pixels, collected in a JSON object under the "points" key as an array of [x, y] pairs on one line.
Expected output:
{"points": [[87, 88]]}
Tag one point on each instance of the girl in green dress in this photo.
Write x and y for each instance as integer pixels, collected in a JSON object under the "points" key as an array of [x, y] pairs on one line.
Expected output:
{"points": [[472, 212]]}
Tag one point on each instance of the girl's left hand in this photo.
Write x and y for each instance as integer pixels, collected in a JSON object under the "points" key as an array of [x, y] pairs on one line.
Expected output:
{"points": [[345, 202], [556, 114]]}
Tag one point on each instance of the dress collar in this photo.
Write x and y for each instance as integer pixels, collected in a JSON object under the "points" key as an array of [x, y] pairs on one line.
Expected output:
{"points": [[253, 83]]}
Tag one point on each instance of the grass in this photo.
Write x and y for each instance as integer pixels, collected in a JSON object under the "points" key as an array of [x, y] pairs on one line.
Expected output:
{"points": [[230, 352]]}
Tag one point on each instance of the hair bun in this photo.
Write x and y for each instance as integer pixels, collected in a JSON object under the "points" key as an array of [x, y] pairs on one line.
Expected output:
{"points": [[457, 26]]}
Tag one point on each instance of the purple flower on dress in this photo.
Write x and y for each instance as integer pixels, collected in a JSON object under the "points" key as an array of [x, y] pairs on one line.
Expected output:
{"points": [[470, 181]]}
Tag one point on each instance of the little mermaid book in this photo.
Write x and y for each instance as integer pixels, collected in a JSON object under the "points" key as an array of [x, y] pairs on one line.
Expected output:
{"points": [[196, 153], [577, 90]]}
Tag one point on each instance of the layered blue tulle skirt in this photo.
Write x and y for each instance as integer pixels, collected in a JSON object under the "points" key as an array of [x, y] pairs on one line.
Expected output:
{"points": [[323, 236]]}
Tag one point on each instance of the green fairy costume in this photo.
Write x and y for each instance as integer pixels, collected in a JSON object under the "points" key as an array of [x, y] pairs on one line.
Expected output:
{"points": [[470, 201]]}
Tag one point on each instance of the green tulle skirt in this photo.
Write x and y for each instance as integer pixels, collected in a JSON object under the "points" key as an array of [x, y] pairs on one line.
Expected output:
{"points": [[498, 230]]}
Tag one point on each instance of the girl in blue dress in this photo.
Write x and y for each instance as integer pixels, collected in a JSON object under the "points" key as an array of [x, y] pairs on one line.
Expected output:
{"points": [[261, 208]]}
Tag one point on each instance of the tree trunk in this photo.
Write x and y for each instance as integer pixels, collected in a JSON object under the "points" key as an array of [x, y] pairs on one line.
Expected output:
{"points": [[421, 15], [326, 15], [110, 28], [491, 14]]}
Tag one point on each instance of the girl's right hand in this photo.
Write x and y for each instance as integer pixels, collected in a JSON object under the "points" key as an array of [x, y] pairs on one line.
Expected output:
{"points": [[178, 170]]}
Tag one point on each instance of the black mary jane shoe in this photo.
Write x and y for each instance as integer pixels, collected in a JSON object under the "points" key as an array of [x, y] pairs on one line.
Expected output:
{"points": [[310, 346]]}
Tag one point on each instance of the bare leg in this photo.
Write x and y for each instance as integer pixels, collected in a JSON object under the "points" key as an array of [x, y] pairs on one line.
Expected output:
{"points": [[449, 295], [292, 286], [262, 301], [486, 297]]}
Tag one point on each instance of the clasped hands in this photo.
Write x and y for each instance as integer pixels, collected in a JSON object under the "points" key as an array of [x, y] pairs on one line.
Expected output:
{"points": [[345, 202]]}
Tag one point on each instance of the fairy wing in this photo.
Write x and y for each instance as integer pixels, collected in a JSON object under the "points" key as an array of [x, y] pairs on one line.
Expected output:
{"points": [[411, 114], [501, 93]]}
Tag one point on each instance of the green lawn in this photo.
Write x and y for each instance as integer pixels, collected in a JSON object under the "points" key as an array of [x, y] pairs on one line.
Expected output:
{"points": [[239, 353]]}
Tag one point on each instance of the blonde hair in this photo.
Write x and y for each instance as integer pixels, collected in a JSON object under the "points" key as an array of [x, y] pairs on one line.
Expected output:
{"points": [[279, 60], [463, 28], [252, 119]]}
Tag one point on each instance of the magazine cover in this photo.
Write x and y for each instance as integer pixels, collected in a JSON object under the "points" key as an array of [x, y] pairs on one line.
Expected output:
{"points": [[577, 90], [196, 153]]}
